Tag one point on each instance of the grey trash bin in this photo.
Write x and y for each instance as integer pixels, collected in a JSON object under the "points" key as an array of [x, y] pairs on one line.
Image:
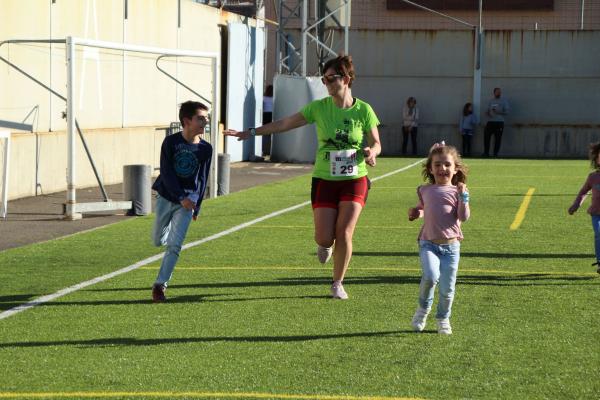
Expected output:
{"points": [[223, 175], [137, 188]]}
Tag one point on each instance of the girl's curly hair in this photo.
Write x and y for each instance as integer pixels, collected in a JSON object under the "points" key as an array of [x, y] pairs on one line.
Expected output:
{"points": [[461, 168], [594, 151]]}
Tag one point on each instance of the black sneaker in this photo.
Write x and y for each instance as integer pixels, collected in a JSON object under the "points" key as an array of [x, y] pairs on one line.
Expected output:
{"points": [[597, 264], [158, 293]]}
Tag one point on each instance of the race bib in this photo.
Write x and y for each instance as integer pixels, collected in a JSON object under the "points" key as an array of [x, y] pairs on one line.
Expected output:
{"points": [[343, 163]]}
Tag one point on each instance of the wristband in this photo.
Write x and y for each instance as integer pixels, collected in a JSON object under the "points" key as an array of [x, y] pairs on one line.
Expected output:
{"points": [[464, 196], [252, 131]]}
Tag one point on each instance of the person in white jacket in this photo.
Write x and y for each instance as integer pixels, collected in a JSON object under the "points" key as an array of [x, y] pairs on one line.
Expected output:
{"points": [[498, 109], [410, 123]]}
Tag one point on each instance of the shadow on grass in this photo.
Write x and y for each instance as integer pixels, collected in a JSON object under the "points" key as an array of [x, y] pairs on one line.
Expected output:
{"points": [[177, 300], [112, 342], [307, 281], [523, 279], [533, 279], [117, 302], [471, 254], [526, 280], [10, 301]]}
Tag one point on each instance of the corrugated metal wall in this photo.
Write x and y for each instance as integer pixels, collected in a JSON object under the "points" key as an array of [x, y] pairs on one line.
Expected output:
{"points": [[551, 79]]}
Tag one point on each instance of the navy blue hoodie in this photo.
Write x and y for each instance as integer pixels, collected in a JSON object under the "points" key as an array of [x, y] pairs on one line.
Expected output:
{"points": [[184, 169]]}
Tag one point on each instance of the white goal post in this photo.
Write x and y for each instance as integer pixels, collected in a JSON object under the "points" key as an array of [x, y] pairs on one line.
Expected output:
{"points": [[73, 209], [4, 201]]}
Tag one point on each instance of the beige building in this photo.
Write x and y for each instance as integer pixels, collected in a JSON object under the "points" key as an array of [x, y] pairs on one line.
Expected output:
{"points": [[121, 99]]}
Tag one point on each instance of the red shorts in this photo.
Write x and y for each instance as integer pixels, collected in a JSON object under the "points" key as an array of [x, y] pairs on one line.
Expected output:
{"points": [[328, 194]]}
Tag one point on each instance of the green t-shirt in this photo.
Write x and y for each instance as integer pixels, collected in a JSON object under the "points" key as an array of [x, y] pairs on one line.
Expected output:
{"points": [[340, 132]]}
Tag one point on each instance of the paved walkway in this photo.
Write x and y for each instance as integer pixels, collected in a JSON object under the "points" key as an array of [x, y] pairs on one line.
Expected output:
{"points": [[37, 219]]}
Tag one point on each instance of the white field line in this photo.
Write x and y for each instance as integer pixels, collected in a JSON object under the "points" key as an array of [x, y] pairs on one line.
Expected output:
{"points": [[146, 261]]}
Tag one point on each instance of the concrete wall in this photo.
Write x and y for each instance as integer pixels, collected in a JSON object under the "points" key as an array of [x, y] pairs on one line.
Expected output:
{"points": [[551, 79], [119, 98], [112, 148]]}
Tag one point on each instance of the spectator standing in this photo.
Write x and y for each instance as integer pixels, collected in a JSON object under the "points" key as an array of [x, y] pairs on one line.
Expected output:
{"points": [[410, 124], [497, 109], [467, 126], [267, 117]]}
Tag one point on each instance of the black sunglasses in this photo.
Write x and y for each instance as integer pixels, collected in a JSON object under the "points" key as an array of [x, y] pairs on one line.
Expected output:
{"points": [[331, 78]]}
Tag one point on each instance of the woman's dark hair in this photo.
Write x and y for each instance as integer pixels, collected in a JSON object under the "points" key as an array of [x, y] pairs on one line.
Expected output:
{"points": [[466, 109], [411, 99], [342, 65], [269, 91]]}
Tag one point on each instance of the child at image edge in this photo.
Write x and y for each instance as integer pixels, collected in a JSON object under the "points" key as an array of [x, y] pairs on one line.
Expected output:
{"points": [[443, 204], [592, 183]]}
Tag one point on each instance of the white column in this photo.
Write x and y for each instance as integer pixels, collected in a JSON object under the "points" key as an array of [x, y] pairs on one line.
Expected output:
{"points": [[71, 186], [478, 63], [214, 128], [303, 36], [477, 66], [5, 135], [346, 27], [582, 13]]}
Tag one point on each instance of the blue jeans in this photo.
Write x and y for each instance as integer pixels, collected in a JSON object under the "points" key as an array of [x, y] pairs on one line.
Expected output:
{"points": [[596, 226], [170, 227], [439, 263]]}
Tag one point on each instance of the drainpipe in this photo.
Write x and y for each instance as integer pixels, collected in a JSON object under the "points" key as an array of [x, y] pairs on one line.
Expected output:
{"points": [[582, 13]]}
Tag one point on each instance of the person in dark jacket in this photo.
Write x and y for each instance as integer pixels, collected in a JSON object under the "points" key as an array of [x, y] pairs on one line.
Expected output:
{"points": [[184, 166]]}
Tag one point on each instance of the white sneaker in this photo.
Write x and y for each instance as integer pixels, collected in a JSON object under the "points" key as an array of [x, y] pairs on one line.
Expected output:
{"points": [[338, 292], [444, 327], [324, 253], [420, 319]]}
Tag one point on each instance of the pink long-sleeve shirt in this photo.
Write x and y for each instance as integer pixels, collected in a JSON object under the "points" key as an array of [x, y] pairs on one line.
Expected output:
{"points": [[443, 212], [591, 183]]}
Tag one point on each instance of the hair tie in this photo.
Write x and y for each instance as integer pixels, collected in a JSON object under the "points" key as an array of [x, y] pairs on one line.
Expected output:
{"points": [[436, 145]]}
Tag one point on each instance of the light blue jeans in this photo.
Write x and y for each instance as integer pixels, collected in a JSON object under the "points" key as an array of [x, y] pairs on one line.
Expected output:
{"points": [[439, 263], [170, 227], [596, 226]]}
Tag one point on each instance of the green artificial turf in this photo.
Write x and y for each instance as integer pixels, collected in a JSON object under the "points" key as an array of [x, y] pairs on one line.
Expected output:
{"points": [[249, 315]]}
